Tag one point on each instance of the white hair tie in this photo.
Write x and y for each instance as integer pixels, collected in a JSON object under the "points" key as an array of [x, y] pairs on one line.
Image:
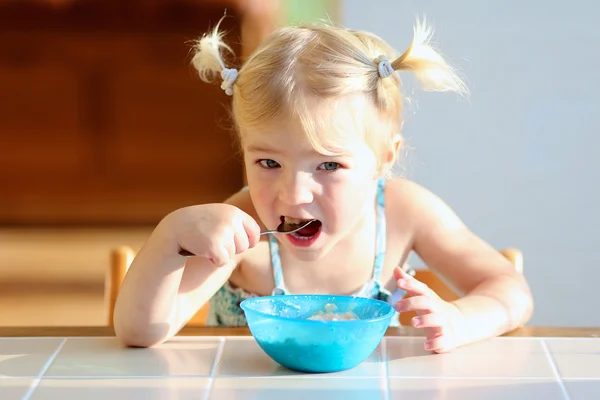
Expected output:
{"points": [[229, 76], [384, 66]]}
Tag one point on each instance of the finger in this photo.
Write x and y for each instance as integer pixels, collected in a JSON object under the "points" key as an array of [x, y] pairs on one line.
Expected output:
{"points": [[417, 303], [223, 250], [432, 320], [403, 279], [440, 344], [252, 230], [400, 273], [229, 246], [220, 256], [414, 286], [241, 239]]}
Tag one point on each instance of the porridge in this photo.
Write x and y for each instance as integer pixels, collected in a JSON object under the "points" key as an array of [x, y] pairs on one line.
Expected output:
{"points": [[330, 315]]}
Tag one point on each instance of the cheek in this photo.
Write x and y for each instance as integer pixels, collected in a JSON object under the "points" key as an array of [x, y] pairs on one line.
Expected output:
{"points": [[256, 180], [259, 194], [343, 205], [262, 199]]}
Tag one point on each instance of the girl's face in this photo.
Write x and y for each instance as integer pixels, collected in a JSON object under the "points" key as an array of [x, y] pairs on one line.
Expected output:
{"points": [[290, 181]]}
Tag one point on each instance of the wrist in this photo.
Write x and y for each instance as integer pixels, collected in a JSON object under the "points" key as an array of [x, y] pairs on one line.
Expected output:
{"points": [[165, 236], [458, 321]]}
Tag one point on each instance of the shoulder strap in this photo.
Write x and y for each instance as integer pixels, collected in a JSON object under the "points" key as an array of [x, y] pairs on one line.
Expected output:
{"points": [[276, 265], [380, 231]]}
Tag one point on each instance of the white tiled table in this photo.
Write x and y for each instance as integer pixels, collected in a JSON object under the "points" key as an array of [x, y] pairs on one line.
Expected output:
{"points": [[233, 367]]}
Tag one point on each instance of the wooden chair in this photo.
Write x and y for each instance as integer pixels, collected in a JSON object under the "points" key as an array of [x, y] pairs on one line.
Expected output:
{"points": [[122, 257], [120, 260]]}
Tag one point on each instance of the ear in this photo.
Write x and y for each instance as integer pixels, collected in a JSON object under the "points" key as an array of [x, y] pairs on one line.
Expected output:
{"points": [[390, 154]]}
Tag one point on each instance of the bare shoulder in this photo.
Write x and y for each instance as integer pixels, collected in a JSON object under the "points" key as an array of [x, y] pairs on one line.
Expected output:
{"points": [[408, 192], [418, 207]]}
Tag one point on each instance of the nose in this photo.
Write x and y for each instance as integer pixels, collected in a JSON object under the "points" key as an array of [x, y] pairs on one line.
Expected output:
{"points": [[295, 189]]}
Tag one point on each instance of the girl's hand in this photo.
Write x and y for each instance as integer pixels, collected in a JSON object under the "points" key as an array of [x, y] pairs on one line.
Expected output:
{"points": [[215, 231], [439, 318]]}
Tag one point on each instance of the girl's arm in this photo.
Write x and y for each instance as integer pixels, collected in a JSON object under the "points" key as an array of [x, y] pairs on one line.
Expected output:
{"points": [[496, 297], [163, 290]]}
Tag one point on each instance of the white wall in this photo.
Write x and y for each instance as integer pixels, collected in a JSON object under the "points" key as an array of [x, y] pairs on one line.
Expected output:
{"points": [[520, 161]]}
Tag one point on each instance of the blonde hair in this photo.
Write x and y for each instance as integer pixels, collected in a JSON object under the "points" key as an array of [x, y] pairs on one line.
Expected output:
{"points": [[307, 72]]}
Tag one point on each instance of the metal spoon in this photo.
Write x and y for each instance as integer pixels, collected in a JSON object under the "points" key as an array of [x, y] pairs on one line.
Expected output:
{"points": [[280, 229]]}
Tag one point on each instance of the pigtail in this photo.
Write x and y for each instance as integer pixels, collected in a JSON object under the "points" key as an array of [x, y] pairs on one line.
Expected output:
{"points": [[430, 68], [209, 61]]}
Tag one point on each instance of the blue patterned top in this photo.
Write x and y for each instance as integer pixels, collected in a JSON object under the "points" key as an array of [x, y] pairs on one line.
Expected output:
{"points": [[225, 304]]}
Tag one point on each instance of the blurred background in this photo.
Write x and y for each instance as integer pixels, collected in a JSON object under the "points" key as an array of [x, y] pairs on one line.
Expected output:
{"points": [[105, 128]]}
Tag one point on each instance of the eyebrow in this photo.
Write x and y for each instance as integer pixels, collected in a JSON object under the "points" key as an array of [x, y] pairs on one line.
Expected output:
{"points": [[262, 149], [266, 149]]}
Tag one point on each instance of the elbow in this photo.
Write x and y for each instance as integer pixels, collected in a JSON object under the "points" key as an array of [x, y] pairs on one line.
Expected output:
{"points": [[135, 332], [523, 303], [138, 336], [529, 306], [513, 294]]}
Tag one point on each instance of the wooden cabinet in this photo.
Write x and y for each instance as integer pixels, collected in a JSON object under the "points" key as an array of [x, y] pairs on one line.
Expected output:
{"points": [[102, 118]]}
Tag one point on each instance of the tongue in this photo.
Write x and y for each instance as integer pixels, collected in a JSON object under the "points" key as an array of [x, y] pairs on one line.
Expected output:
{"points": [[309, 230]]}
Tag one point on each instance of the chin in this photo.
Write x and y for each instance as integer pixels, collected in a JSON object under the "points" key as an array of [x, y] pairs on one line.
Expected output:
{"points": [[316, 250], [306, 255]]}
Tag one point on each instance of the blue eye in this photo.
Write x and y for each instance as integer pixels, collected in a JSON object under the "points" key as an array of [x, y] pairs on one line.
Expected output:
{"points": [[268, 164], [329, 166]]}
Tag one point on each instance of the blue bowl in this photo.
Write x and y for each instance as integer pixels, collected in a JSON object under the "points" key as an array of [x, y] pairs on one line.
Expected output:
{"points": [[281, 328]]}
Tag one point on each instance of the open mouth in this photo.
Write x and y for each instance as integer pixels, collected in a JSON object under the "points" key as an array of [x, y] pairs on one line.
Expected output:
{"points": [[305, 233]]}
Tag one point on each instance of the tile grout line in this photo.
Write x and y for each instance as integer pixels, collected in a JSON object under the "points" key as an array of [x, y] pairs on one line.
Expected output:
{"points": [[45, 368], [213, 368], [459, 377], [385, 383], [555, 370], [281, 377]]}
